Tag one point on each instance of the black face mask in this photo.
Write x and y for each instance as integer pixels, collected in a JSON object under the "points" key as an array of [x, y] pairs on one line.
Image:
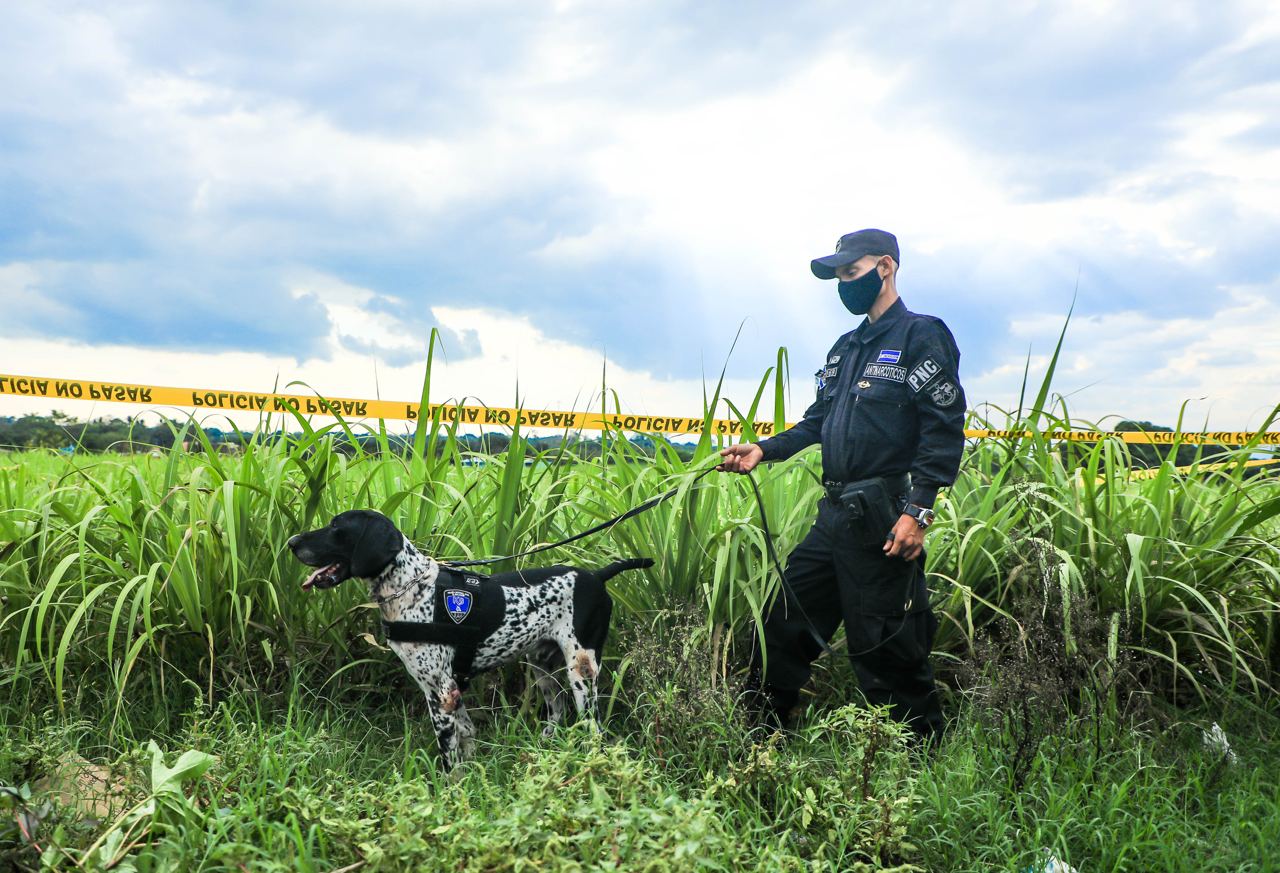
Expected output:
{"points": [[858, 295]]}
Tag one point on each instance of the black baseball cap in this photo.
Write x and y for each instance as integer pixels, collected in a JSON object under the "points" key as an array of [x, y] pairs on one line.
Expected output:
{"points": [[853, 246]]}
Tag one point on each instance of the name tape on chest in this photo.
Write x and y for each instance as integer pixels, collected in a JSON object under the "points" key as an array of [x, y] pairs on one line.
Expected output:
{"points": [[885, 371]]}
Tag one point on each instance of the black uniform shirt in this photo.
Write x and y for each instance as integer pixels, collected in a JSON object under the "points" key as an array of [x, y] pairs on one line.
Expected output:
{"points": [[889, 402]]}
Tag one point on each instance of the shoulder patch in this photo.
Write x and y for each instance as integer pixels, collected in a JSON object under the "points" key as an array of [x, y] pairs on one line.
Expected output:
{"points": [[944, 394], [921, 375]]}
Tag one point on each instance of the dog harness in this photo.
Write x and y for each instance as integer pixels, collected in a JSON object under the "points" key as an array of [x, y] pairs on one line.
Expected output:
{"points": [[468, 609]]}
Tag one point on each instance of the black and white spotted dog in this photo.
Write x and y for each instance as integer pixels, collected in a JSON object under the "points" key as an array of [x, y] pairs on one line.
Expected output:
{"points": [[556, 616]]}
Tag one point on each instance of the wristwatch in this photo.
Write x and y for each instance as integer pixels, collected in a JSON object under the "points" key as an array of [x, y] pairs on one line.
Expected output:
{"points": [[923, 517]]}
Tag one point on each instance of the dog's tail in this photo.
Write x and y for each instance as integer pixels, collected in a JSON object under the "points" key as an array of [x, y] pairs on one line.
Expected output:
{"points": [[607, 573]]}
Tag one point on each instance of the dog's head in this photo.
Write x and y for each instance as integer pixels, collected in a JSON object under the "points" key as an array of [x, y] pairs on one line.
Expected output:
{"points": [[360, 543]]}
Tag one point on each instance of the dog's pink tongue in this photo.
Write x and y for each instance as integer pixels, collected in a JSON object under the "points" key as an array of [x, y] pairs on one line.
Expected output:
{"points": [[311, 580]]}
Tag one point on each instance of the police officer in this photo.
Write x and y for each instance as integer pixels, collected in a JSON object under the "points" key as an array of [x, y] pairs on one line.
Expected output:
{"points": [[890, 417]]}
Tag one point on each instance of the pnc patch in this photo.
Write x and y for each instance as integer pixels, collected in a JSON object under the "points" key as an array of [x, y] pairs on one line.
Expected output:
{"points": [[921, 375], [457, 603], [889, 356]]}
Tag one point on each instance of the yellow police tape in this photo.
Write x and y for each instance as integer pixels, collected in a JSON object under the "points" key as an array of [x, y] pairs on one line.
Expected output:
{"points": [[1160, 438], [346, 407], [1153, 472], [252, 401]]}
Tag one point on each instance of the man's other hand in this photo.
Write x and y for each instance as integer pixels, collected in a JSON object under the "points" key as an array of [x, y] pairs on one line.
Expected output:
{"points": [[741, 458], [906, 541]]}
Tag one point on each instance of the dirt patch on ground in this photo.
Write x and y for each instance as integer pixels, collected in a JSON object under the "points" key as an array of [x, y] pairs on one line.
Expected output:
{"points": [[93, 790]]}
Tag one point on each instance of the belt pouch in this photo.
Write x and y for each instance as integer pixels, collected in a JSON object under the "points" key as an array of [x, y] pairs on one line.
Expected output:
{"points": [[870, 508]]}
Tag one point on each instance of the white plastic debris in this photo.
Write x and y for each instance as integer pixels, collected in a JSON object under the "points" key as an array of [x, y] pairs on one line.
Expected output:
{"points": [[1050, 863], [1215, 740]]}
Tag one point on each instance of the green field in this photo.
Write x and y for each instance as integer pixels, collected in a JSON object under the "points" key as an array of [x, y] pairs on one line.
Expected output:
{"points": [[1092, 627]]}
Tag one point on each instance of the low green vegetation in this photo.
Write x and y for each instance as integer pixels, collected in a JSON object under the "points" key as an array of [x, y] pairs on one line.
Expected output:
{"points": [[1093, 626], [306, 780]]}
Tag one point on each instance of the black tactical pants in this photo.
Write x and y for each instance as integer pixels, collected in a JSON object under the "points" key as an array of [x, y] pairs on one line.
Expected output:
{"points": [[884, 604]]}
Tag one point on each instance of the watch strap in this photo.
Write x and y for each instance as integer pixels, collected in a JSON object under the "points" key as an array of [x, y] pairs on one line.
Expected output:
{"points": [[922, 515]]}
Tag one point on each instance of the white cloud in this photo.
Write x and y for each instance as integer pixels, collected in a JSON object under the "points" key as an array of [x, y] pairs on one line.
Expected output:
{"points": [[514, 355], [1123, 365], [1138, 366], [20, 291]]}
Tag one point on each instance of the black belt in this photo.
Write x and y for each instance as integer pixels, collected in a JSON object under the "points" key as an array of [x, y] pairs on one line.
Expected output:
{"points": [[898, 485]]}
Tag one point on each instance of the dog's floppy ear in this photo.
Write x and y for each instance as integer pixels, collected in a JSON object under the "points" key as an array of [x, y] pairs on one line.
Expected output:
{"points": [[376, 546]]}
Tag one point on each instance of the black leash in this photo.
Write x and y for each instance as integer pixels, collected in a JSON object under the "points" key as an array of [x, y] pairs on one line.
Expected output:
{"points": [[787, 590], [790, 593], [630, 513]]}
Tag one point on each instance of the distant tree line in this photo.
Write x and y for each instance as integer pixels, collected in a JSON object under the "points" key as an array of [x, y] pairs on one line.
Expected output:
{"points": [[64, 433], [60, 431]]}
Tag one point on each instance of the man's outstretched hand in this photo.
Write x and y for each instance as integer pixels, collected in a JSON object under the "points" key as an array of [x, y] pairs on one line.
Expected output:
{"points": [[741, 458]]}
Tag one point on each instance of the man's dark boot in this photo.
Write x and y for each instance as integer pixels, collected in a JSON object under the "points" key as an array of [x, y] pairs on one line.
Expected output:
{"points": [[767, 706]]}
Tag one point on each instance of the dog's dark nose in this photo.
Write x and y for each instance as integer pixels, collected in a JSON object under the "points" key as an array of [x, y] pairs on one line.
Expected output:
{"points": [[293, 541]]}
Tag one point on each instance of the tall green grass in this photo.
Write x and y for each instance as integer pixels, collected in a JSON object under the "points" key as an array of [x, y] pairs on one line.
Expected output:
{"points": [[153, 598], [146, 570]]}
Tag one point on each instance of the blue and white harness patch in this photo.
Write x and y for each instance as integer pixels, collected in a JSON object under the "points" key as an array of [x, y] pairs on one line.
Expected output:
{"points": [[457, 603]]}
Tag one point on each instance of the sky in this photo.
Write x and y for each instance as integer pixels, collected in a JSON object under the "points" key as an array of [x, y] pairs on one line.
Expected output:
{"points": [[628, 195]]}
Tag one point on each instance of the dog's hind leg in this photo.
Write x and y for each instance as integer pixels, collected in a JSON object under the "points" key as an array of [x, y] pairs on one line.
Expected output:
{"points": [[583, 670], [594, 636], [546, 666], [584, 647]]}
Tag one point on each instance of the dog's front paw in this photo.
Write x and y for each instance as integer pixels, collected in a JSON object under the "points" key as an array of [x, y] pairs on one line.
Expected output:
{"points": [[457, 771]]}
